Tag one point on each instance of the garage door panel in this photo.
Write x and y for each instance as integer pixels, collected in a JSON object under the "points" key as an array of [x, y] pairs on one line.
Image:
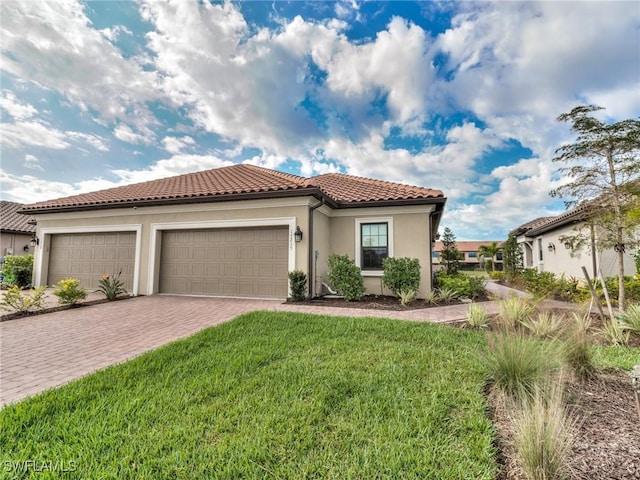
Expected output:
{"points": [[87, 256], [228, 262]]}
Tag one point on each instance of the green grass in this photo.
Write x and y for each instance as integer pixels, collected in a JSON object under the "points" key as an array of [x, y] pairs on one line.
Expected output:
{"points": [[618, 358], [272, 395]]}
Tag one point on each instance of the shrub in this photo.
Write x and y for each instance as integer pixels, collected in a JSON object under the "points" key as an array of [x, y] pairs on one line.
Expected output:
{"points": [[576, 348], [407, 296], [513, 311], [614, 333], [499, 276], [446, 295], [111, 286], [544, 325], [544, 434], [298, 283], [401, 274], [345, 277], [517, 365], [477, 316], [631, 318], [464, 285], [17, 270], [431, 297], [17, 301], [69, 291]]}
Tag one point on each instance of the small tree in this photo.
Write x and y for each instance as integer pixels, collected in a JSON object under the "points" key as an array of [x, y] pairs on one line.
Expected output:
{"points": [[604, 170], [450, 254], [512, 261], [490, 251]]}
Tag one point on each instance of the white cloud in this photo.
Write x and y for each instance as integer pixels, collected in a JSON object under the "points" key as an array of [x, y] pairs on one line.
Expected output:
{"points": [[15, 108], [63, 52], [31, 162], [33, 133], [176, 145], [124, 133]]}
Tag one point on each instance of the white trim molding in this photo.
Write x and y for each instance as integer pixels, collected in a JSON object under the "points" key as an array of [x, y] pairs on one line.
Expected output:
{"points": [[358, 237], [253, 222], [46, 231]]}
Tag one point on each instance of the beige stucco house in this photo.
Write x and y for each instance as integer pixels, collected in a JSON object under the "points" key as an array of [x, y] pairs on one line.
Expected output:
{"points": [[15, 230], [547, 245], [233, 231]]}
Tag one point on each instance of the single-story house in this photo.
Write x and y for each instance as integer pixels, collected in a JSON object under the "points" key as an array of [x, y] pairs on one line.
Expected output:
{"points": [[547, 245], [234, 231], [15, 230], [470, 259]]}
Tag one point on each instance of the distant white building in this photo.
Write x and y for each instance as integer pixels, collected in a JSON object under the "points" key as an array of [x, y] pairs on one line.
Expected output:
{"points": [[546, 245]]}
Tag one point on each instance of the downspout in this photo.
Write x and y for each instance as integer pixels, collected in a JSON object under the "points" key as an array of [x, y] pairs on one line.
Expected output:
{"points": [[311, 252]]}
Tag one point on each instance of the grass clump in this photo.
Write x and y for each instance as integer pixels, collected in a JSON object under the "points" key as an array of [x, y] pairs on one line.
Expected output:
{"points": [[512, 312], [614, 333], [545, 325], [544, 433], [577, 349], [431, 297], [477, 316], [631, 318], [407, 296], [517, 365], [447, 295]]}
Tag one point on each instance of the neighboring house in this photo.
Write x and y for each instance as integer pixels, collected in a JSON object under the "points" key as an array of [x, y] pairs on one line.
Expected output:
{"points": [[15, 230], [470, 259], [234, 231], [546, 245]]}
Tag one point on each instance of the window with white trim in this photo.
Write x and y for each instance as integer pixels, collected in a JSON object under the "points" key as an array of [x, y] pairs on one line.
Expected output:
{"points": [[374, 243]]}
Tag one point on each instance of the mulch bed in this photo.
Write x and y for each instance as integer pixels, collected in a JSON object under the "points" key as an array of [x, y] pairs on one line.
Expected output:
{"points": [[379, 302], [60, 308], [607, 437]]}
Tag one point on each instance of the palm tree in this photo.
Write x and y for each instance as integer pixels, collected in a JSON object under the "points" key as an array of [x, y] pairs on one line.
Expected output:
{"points": [[490, 250]]}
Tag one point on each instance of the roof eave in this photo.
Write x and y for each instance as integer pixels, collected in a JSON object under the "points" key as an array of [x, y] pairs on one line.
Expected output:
{"points": [[438, 201], [298, 192]]}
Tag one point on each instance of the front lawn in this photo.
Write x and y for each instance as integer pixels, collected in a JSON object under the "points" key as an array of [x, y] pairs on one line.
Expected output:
{"points": [[270, 395]]}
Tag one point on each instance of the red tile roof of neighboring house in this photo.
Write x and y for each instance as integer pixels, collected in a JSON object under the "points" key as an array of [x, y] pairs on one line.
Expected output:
{"points": [[465, 246], [240, 182], [12, 221]]}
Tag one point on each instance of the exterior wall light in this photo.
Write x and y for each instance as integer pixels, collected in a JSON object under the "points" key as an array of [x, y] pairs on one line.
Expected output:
{"points": [[551, 247], [34, 241], [297, 235], [567, 245]]}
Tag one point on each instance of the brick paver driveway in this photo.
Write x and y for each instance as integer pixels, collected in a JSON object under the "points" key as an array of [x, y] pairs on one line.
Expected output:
{"points": [[48, 350], [37, 353]]}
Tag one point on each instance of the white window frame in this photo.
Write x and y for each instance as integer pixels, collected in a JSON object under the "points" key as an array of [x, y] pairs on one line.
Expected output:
{"points": [[358, 243]]}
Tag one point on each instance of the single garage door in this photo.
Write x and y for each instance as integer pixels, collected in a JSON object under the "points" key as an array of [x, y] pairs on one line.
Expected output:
{"points": [[239, 262], [88, 256]]}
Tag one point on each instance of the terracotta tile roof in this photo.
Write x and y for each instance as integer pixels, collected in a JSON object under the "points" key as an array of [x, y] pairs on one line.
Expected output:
{"points": [[530, 225], [12, 221], [349, 189], [240, 181], [466, 246]]}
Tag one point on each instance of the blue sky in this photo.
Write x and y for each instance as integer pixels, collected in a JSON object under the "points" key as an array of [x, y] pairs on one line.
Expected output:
{"points": [[459, 96]]}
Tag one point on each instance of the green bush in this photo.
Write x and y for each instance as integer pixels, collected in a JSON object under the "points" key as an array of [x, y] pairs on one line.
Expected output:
{"points": [[631, 318], [345, 277], [69, 291], [17, 270], [401, 274], [17, 301], [298, 283], [464, 285], [111, 286]]}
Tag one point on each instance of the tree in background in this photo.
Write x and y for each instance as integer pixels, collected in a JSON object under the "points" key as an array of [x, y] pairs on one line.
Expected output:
{"points": [[603, 166], [512, 261], [490, 251], [450, 254]]}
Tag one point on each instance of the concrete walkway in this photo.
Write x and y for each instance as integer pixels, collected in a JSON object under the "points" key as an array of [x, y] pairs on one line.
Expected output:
{"points": [[48, 350]]}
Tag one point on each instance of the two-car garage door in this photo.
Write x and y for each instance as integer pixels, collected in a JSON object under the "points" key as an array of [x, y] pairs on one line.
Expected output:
{"points": [[238, 262]]}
